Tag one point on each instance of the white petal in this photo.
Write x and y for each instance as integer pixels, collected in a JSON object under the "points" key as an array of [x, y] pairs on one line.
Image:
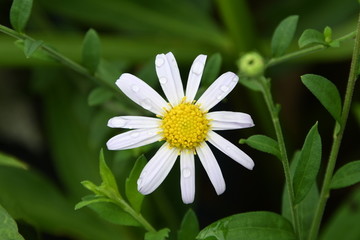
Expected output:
{"points": [[226, 120], [230, 149], [134, 138], [133, 122], [141, 93], [194, 78], [187, 176], [212, 168], [157, 169], [218, 90], [169, 77]]}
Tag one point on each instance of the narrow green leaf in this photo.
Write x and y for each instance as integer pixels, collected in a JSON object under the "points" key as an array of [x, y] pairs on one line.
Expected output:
{"points": [[159, 235], [91, 51], [189, 228], [250, 83], [133, 195], [344, 223], [308, 165], [283, 35], [250, 226], [8, 227], [8, 160], [311, 36], [106, 175], [30, 47], [263, 143], [326, 92], [347, 175], [92, 187], [19, 14], [108, 210], [90, 199], [98, 96], [212, 69]]}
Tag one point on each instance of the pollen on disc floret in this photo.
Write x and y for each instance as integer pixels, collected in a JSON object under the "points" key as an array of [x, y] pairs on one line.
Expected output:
{"points": [[185, 126]]}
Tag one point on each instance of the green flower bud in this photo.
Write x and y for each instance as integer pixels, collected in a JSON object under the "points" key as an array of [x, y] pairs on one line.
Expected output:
{"points": [[251, 64], [328, 34]]}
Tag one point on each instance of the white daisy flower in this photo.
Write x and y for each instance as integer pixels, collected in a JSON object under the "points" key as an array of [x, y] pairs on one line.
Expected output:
{"points": [[183, 123]]}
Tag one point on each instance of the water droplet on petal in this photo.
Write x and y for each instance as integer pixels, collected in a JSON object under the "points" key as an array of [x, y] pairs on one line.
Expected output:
{"points": [[146, 103], [198, 68], [235, 79], [224, 88], [163, 80], [220, 96], [118, 122], [134, 134], [159, 61], [186, 172], [135, 88]]}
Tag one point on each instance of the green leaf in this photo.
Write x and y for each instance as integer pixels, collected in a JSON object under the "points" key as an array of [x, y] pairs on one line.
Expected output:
{"points": [[311, 36], [212, 69], [106, 175], [283, 35], [347, 175], [263, 143], [133, 195], [344, 223], [108, 210], [30, 47], [8, 227], [250, 226], [98, 96], [91, 51], [159, 235], [19, 14], [189, 228], [250, 83], [326, 92], [308, 165], [8, 160]]}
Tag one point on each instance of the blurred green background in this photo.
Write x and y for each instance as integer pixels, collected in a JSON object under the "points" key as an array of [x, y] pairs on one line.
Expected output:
{"points": [[47, 122]]}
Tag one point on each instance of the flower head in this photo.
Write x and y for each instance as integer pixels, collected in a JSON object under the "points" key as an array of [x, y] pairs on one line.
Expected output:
{"points": [[182, 123]]}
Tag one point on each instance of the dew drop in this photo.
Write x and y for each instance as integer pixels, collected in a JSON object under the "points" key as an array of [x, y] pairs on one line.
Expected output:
{"points": [[117, 122], [220, 96], [224, 88], [198, 68], [186, 172], [135, 88], [163, 80], [159, 61], [146, 104]]}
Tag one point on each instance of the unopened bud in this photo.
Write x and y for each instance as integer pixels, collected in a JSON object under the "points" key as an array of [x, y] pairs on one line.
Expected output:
{"points": [[251, 64]]}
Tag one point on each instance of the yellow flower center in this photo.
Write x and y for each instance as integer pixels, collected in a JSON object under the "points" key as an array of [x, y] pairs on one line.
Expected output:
{"points": [[185, 126]]}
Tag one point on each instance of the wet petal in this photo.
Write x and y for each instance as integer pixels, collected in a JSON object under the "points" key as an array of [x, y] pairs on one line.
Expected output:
{"points": [[134, 138], [230, 149], [212, 168], [194, 78], [141, 93], [169, 77], [187, 176], [218, 90], [226, 120], [157, 169], [133, 122]]}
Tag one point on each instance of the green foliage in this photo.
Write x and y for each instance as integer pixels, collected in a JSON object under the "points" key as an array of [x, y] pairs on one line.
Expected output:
{"points": [[311, 36], [8, 160], [189, 228], [283, 35], [159, 235], [251, 226], [91, 51], [308, 165], [326, 92], [19, 14], [211, 70], [133, 195], [263, 143], [99, 95], [347, 175], [8, 227], [30, 47]]}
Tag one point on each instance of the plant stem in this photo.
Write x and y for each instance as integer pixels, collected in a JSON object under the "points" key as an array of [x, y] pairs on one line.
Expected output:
{"points": [[313, 49], [338, 134], [274, 112]]}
